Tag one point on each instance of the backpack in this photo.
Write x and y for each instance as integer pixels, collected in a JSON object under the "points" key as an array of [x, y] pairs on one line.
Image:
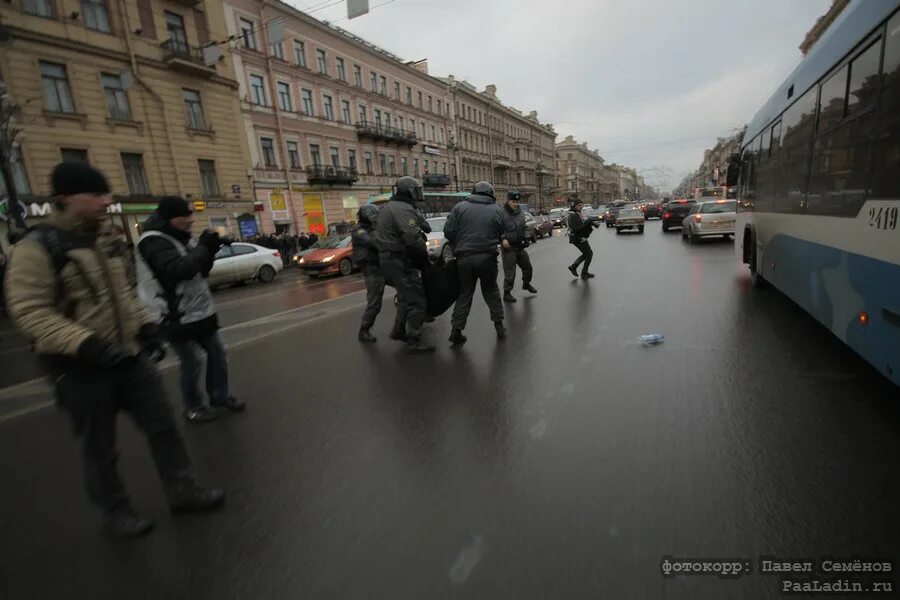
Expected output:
{"points": [[58, 248]]}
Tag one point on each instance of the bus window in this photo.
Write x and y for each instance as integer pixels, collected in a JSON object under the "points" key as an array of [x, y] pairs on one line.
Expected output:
{"points": [[863, 92], [796, 137], [886, 150], [831, 102], [776, 139]]}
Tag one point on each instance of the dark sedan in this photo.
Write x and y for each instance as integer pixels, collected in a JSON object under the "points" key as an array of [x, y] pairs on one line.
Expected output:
{"points": [[543, 226], [652, 210], [610, 215], [675, 213]]}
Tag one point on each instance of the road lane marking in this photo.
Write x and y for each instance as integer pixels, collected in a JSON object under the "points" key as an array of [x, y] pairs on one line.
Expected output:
{"points": [[40, 385]]}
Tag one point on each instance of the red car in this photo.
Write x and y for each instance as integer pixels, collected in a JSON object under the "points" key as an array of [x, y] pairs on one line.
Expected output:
{"points": [[334, 256]]}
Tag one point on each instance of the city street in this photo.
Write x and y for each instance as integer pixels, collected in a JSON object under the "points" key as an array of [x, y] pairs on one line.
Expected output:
{"points": [[563, 462]]}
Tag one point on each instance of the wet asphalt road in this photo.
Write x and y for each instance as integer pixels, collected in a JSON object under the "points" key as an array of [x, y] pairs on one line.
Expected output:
{"points": [[563, 462], [236, 304]]}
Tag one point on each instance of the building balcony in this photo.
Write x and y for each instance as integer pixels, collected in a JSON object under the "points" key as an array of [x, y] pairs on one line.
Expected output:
{"points": [[319, 174], [501, 160], [433, 181], [376, 132], [186, 59]]}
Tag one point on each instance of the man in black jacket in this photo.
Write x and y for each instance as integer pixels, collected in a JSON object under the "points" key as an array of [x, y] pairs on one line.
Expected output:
{"points": [[516, 254], [579, 230], [171, 281], [402, 255], [474, 230], [365, 254]]}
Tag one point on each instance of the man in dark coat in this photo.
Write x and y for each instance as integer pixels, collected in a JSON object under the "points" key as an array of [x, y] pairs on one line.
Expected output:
{"points": [[474, 230], [579, 230], [402, 253], [303, 241], [365, 254], [516, 254], [171, 281]]}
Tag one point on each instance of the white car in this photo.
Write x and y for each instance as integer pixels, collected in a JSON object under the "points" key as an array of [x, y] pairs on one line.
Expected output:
{"points": [[709, 217], [438, 246], [240, 262]]}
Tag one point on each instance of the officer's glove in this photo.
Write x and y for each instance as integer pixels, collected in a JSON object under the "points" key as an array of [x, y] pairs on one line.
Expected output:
{"points": [[105, 355], [150, 338], [211, 240]]}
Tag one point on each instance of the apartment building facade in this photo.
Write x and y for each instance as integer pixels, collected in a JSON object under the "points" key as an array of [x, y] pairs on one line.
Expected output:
{"points": [[579, 171], [497, 143], [125, 86], [330, 119]]}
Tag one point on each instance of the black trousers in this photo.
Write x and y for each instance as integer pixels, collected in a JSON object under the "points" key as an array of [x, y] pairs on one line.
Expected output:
{"points": [[407, 280], [94, 397], [374, 292], [472, 269], [587, 255], [512, 258]]}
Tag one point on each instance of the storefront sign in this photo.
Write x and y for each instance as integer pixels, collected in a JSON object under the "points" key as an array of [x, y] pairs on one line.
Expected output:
{"points": [[431, 150], [277, 201], [248, 228], [45, 209]]}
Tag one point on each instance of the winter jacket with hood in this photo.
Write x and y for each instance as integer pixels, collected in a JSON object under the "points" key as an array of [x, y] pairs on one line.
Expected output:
{"points": [[514, 227], [89, 297], [171, 266], [475, 226], [579, 229], [364, 251]]}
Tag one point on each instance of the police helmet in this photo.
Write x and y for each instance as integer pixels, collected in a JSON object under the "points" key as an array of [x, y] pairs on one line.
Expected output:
{"points": [[513, 195], [408, 189], [368, 213]]}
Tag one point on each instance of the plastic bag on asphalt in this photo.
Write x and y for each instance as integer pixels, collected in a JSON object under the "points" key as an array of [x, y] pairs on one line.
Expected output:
{"points": [[652, 339]]}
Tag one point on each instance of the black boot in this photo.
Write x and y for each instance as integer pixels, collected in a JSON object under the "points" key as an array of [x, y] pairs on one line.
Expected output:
{"points": [[189, 497], [573, 269], [529, 288], [199, 415], [457, 337], [501, 330], [126, 522], [366, 336], [399, 335], [231, 403], [508, 297], [586, 275]]}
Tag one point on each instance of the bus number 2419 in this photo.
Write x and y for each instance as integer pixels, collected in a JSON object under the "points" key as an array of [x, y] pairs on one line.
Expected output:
{"points": [[883, 217]]}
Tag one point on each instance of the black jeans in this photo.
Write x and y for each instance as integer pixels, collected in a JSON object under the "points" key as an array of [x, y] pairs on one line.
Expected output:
{"points": [[587, 255], [374, 292], [512, 258], [472, 269], [407, 280], [93, 398]]}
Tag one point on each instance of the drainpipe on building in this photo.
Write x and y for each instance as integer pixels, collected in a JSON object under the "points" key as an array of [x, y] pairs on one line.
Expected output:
{"points": [[273, 90], [126, 17]]}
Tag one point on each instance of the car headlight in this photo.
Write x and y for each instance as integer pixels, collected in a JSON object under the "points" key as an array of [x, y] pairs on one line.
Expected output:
{"points": [[328, 258], [301, 261]]}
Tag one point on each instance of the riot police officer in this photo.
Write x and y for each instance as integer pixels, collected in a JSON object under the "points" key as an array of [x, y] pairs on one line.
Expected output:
{"points": [[516, 254], [365, 254], [402, 254], [475, 230]]}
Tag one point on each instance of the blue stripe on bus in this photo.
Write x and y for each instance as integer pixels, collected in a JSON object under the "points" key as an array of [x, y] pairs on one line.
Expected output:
{"points": [[835, 286]]}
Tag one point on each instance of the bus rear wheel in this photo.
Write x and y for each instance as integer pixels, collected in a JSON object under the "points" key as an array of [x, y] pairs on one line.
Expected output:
{"points": [[751, 257]]}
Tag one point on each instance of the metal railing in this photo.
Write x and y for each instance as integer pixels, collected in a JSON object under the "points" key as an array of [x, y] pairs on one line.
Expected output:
{"points": [[383, 132], [174, 48], [331, 175]]}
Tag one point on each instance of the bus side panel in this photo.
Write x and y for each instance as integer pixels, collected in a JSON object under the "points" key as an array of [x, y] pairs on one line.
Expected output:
{"points": [[837, 287]]}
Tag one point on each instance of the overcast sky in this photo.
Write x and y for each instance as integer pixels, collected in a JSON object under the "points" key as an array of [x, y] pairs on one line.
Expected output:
{"points": [[648, 83]]}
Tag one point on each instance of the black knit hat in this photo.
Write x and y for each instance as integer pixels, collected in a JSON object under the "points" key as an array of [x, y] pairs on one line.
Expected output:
{"points": [[71, 178], [173, 206]]}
